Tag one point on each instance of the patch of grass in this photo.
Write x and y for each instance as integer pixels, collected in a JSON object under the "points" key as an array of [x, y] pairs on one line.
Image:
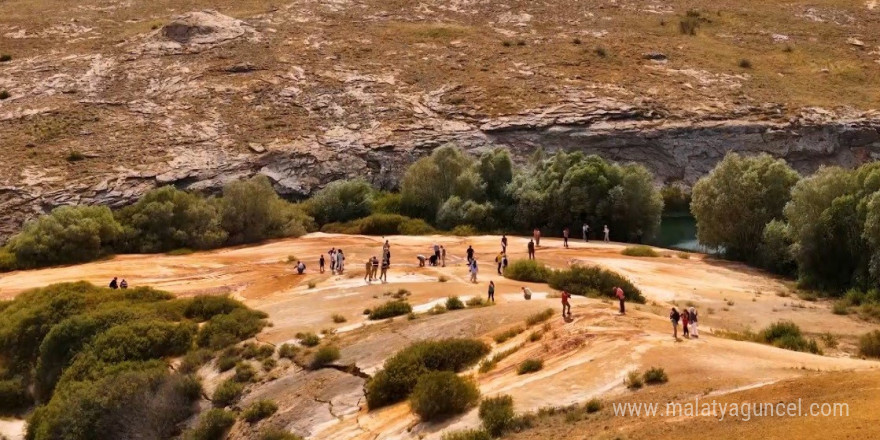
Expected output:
{"points": [[390, 310], [520, 42], [633, 380], [538, 318], [787, 334], [292, 259], [308, 339], [4, 95], [259, 410], [536, 336], [745, 63], [244, 372], [840, 307], [506, 43], [74, 156], [601, 52], [529, 366], [324, 356], [655, 375], [288, 351], [5, 58], [869, 344], [269, 364], [213, 425], [438, 309], [593, 406], [400, 294], [411, 316], [338, 319], [594, 281], [640, 251], [454, 303], [312, 284], [829, 340], [489, 364], [440, 394], [227, 393], [497, 414], [508, 334], [254, 351], [528, 270], [576, 41], [442, 278], [194, 360], [689, 24], [278, 434], [683, 255], [227, 362], [468, 434], [180, 252], [477, 301]]}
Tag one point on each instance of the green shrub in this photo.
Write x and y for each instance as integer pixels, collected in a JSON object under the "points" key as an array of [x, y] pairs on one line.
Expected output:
{"points": [[227, 393], [469, 434], [869, 344], [244, 373], [440, 394], [634, 380], [227, 362], [213, 425], [278, 434], [386, 203], [288, 351], [786, 334], [538, 318], [259, 410], [269, 364], [508, 334], [253, 351], [528, 270], [8, 261], [497, 414], [655, 376], [535, 336], [454, 303], [401, 372], [14, 397], [5, 58], [308, 339], [390, 309], [416, 226], [181, 252], [640, 251], [4, 94], [194, 360], [338, 319], [529, 366], [341, 201], [325, 355], [224, 330], [204, 307], [476, 301], [489, 364], [464, 231], [593, 406], [67, 235], [745, 63], [593, 280], [840, 307], [251, 211], [168, 218]]}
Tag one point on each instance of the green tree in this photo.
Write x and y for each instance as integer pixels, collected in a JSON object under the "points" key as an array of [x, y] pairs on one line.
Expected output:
{"points": [[430, 181], [737, 199], [67, 235], [251, 211], [341, 201]]}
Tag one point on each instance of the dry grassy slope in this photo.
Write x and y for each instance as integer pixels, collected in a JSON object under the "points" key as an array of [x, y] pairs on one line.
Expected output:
{"points": [[344, 81]]}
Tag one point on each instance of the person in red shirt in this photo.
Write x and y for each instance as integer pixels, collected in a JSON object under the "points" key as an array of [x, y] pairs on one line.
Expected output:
{"points": [[566, 307], [618, 292], [684, 325]]}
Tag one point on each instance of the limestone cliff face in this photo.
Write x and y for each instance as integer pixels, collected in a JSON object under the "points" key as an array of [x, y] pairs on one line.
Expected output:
{"points": [[205, 98]]}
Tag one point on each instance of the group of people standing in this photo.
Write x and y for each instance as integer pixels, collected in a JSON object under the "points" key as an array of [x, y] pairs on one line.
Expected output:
{"points": [[689, 320], [373, 266], [337, 261]]}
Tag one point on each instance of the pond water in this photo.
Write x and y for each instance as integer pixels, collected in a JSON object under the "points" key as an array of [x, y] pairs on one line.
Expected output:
{"points": [[679, 231]]}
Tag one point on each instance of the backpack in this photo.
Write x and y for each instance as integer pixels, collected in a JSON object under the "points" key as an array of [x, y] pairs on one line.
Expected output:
{"points": [[675, 316]]}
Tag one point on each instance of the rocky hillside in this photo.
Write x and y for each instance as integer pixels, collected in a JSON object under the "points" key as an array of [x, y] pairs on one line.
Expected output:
{"points": [[105, 99]]}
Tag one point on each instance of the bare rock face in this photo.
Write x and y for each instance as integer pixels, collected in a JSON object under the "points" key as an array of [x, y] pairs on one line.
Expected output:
{"points": [[197, 31]]}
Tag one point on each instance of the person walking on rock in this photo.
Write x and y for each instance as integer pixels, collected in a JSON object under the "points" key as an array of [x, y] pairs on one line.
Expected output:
{"points": [[491, 291], [504, 243], [470, 254], [607, 233], [618, 292], [684, 324], [566, 306], [368, 268], [332, 255], [674, 316], [321, 263], [531, 250], [565, 238], [436, 254], [375, 269], [384, 274], [586, 230], [474, 271], [340, 261], [537, 236], [498, 259]]}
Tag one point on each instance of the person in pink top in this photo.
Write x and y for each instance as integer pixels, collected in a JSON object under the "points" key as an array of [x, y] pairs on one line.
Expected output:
{"points": [[618, 292], [566, 307], [684, 325]]}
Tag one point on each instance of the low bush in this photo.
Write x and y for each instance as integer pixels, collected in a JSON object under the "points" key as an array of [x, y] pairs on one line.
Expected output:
{"points": [[227, 393], [633, 380], [438, 309], [454, 303], [381, 224], [288, 351], [530, 271], [194, 360], [464, 231], [254, 351], [5, 58], [203, 308], [869, 344], [497, 414], [595, 281], [401, 372], [8, 261], [655, 376], [213, 425], [477, 301], [489, 364], [468, 434], [390, 309], [745, 63], [269, 364], [308, 339], [787, 334], [535, 336], [224, 330], [529, 366], [508, 334], [440, 394], [278, 434], [227, 362], [14, 396], [538, 318], [593, 406], [244, 372], [341, 201], [338, 319], [324, 356], [640, 251], [259, 410]]}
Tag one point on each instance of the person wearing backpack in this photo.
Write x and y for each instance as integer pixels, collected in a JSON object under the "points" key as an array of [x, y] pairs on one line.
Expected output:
{"points": [[674, 316], [692, 315]]}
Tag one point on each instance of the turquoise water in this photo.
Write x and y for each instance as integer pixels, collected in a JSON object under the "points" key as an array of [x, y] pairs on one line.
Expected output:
{"points": [[679, 232]]}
